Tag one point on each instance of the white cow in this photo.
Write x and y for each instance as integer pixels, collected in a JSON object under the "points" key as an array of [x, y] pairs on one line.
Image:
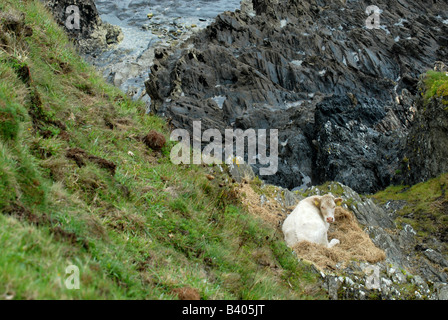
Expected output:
{"points": [[310, 221]]}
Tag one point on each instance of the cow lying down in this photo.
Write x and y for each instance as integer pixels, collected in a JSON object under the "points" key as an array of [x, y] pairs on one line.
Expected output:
{"points": [[310, 221]]}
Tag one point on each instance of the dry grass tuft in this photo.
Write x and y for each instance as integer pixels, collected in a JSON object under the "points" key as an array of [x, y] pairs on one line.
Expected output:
{"points": [[355, 243], [154, 140], [187, 293], [270, 211]]}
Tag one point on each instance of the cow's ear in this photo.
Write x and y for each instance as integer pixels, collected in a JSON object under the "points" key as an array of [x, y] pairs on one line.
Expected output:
{"points": [[338, 201], [316, 202]]}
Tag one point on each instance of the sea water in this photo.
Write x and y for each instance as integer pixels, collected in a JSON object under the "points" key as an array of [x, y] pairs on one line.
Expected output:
{"points": [[147, 24]]}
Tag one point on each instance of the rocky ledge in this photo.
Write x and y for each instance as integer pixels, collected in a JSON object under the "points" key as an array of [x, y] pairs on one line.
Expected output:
{"points": [[90, 33], [342, 95], [410, 268]]}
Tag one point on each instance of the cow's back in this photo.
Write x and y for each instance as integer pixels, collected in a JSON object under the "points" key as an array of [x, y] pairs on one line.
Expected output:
{"points": [[304, 224]]}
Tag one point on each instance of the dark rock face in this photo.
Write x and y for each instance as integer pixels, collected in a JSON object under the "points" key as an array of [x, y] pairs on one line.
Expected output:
{"points": [[93, 35], [359, 145], [340, 94], [426, 152]]}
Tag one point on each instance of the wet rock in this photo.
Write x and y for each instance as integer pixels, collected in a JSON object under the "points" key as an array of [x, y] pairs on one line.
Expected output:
{"points": [[351, 149], [91, 34], [341, 95]]}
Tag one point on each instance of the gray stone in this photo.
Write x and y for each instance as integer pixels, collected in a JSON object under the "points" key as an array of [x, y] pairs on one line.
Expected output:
{"points": [[436, 257], [333, 284], [239, 170], [441, 290], [93, 35]]}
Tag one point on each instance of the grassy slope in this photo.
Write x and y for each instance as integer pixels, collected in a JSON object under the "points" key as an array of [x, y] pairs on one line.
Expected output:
{"points": [[426, 208], [138, 234]]}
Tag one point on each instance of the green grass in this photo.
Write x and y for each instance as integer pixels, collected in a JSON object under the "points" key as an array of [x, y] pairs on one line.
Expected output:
{"points": [[435, 85], [425, 209], [137, 234]]}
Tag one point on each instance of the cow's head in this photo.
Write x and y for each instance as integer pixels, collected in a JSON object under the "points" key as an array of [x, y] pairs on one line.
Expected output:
{"points": [[327, 204]]}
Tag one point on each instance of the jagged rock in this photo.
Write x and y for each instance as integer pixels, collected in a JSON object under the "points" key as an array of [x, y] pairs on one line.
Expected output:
{"points": [[341, 95], [93, 34], [352, 148], [333, 284], [439, 66], [436, 257], [427, 143]]}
